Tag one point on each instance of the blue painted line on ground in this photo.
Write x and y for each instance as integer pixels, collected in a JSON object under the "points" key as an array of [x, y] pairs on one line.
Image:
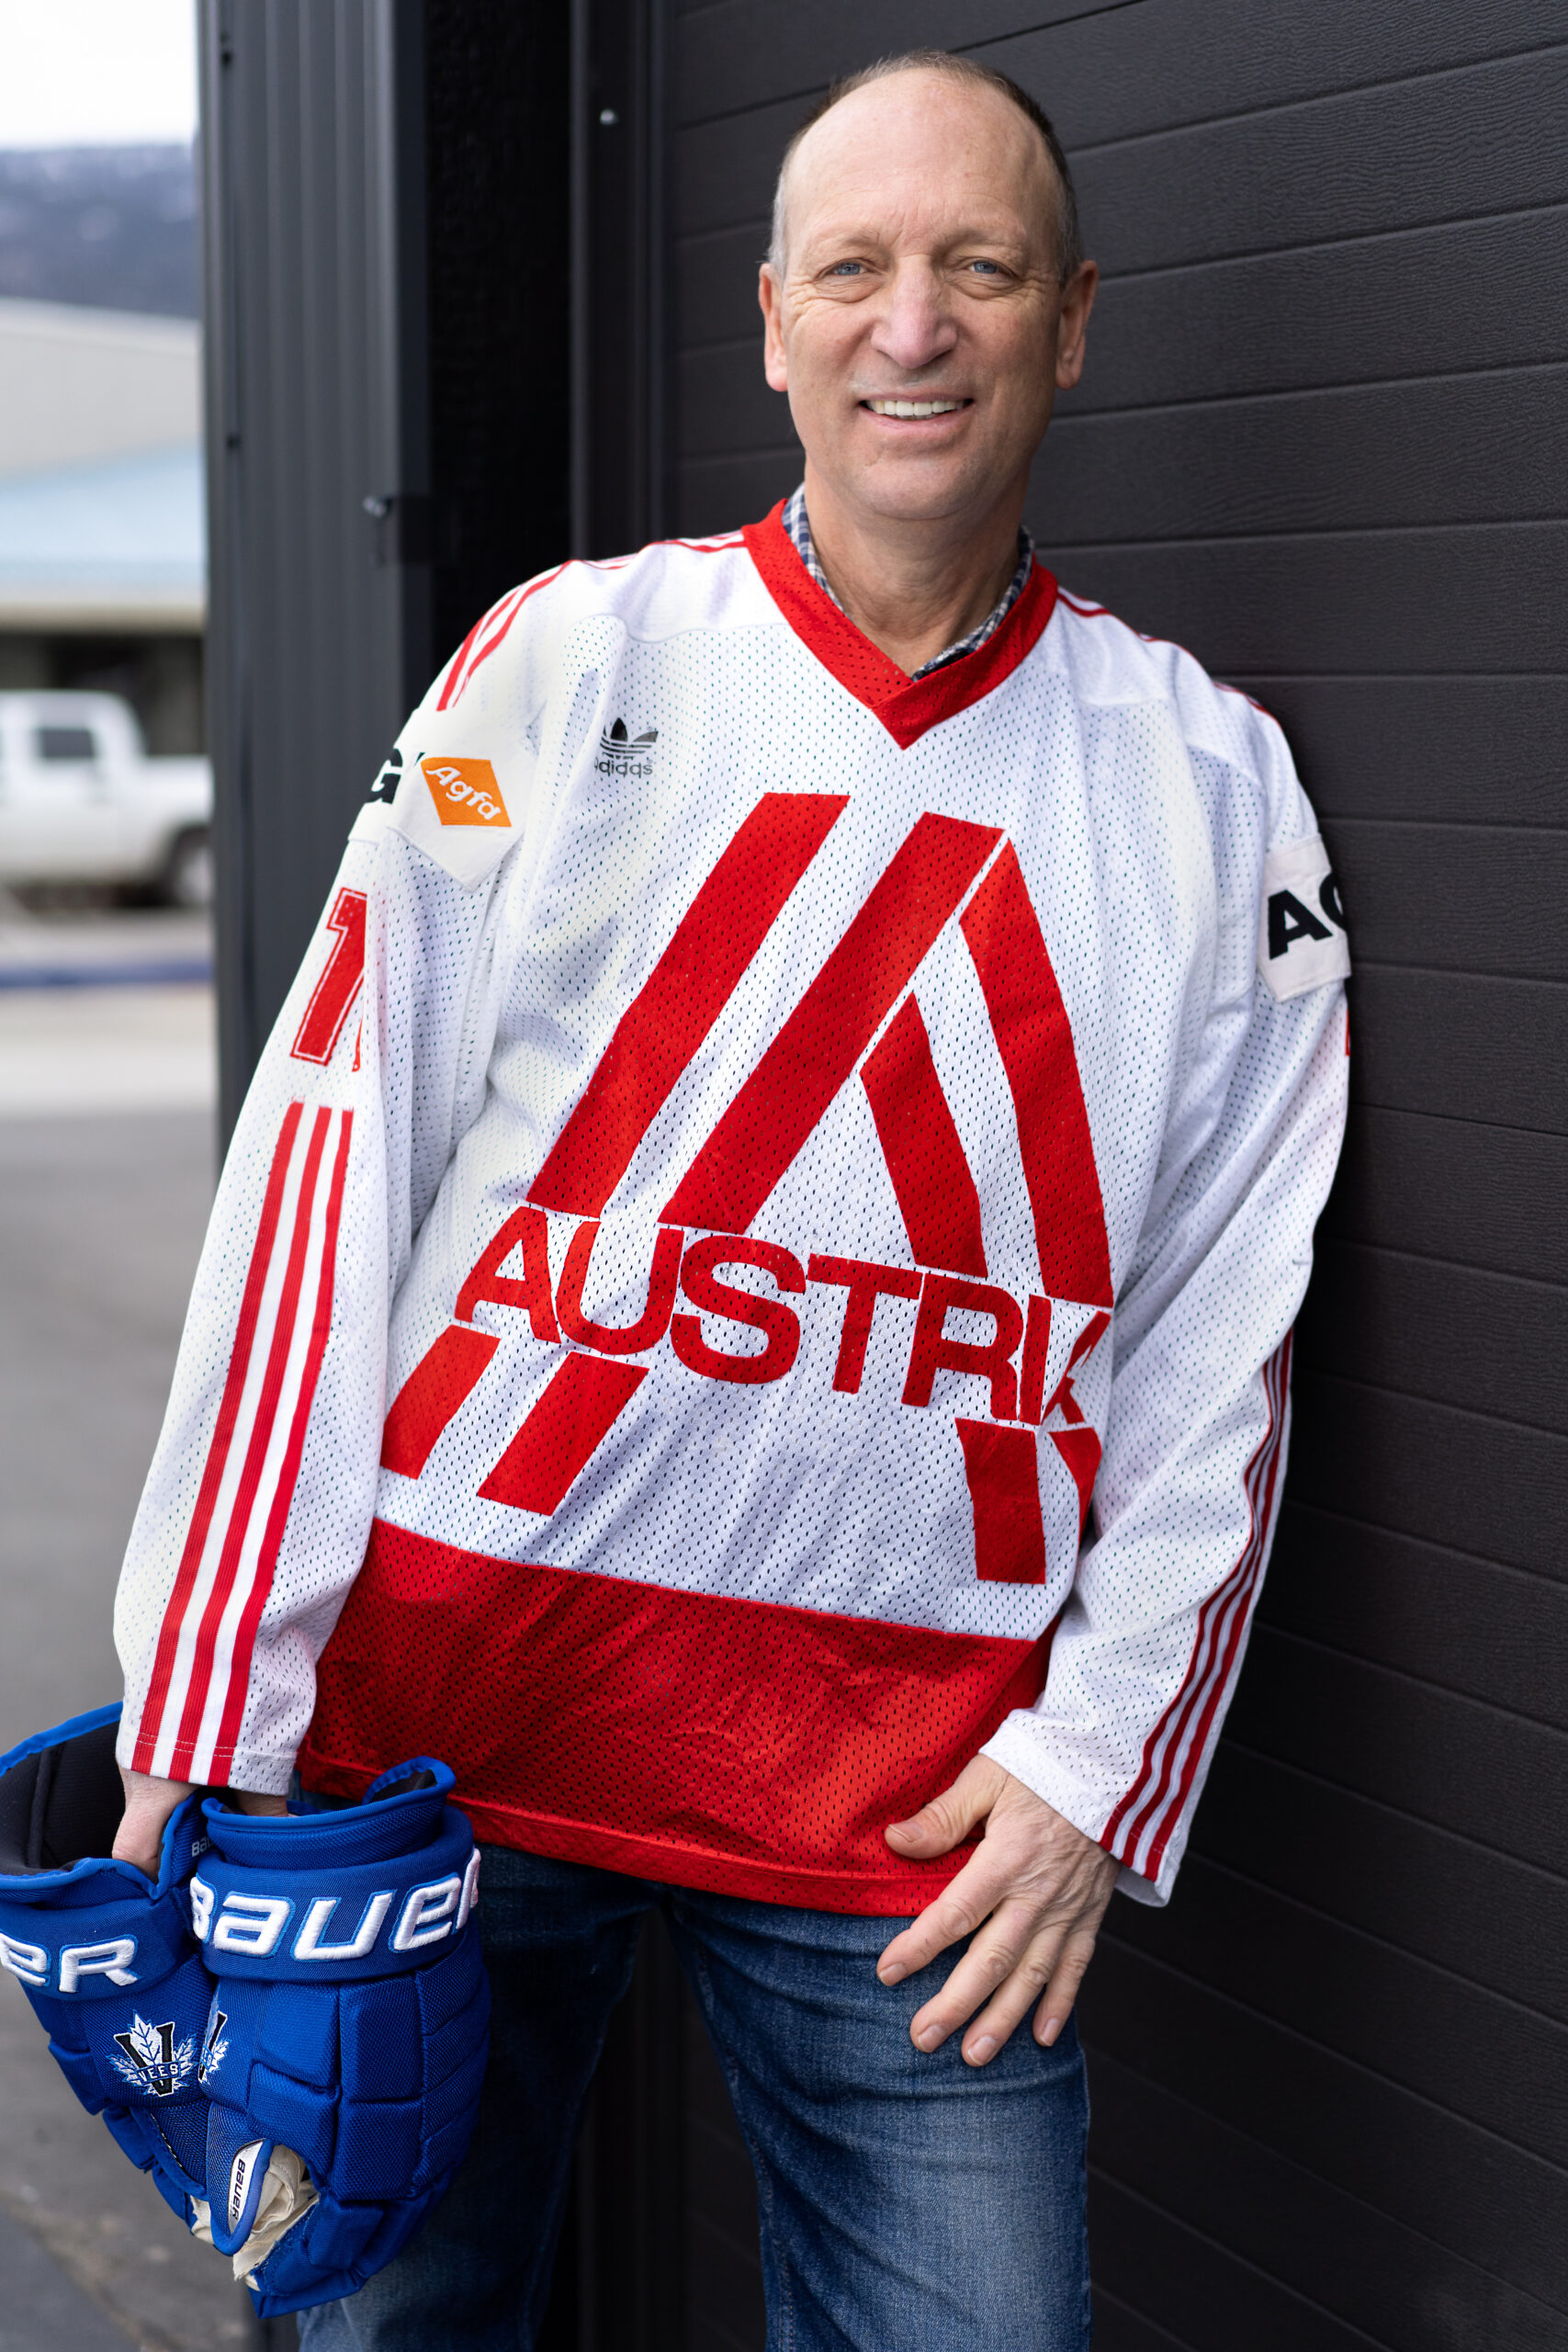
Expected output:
{"points": [[106, 976]]}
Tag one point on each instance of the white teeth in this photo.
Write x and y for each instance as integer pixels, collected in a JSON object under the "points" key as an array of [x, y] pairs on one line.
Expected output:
{"points": [[912, 408]]}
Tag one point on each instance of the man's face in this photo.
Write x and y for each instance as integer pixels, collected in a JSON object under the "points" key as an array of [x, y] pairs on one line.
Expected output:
{"points": [[921, 266]]}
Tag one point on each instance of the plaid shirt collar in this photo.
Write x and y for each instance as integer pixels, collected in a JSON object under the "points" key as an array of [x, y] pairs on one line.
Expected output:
{"points": [[799, 529]]}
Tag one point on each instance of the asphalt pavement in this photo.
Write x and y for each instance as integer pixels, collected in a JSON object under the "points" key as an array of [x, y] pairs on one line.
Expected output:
{"points": [[106, 1165]]}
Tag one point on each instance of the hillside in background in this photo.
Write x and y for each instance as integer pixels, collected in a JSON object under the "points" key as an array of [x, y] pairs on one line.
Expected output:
{"points": [[103, 226]]}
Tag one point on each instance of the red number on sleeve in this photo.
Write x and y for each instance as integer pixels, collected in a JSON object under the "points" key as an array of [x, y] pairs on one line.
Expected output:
{"points": [[333, 994]]}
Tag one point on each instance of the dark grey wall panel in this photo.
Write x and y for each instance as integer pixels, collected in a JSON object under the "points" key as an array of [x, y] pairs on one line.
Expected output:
{"points": [[1174, 64], [1280, 2216], [1489, 1632], [1450, 751], [1418, 2164], [1119, 2328], [738, 489], [1479, 898], [1494, 2062], [1472, 449], [1483, 1486], [1488, 1342], [1447, 1188], [1490, 1920], [1485, 597], [1377, 308], [1479, 140], [738, 54], [1482, 1772], [1460, 1046], [1213, 2301]]}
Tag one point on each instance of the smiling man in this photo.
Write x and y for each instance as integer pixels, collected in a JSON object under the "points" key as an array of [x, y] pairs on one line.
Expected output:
{"points": [[749, 1307]]}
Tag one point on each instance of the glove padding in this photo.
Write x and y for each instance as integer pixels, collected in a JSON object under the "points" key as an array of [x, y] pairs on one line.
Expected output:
{"points": [[349, 2026], [105, 1954]]}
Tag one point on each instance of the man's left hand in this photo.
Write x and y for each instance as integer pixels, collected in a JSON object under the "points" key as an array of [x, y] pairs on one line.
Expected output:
{"points": [[1032, 1894]]}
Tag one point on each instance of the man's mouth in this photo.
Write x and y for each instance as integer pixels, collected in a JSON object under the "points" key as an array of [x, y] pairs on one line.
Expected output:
{"points": [[913, 408]]}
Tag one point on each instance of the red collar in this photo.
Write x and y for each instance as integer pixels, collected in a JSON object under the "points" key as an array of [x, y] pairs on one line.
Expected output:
{"points": [[906, 705]]}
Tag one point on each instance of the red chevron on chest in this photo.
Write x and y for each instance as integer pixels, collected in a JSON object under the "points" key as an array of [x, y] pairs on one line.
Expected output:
{"points": [[842, 1024]]}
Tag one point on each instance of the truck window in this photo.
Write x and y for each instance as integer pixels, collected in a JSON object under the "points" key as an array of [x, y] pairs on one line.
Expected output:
{"points": [[65, 744]]}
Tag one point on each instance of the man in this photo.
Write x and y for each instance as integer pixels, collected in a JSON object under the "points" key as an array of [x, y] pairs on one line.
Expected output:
{"points": [[821, 1170]]}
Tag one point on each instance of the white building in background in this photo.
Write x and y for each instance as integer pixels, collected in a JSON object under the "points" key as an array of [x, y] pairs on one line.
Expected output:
{"points": [[102, 524]]}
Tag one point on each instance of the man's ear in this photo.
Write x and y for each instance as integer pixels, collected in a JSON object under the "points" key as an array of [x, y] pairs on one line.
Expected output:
{"points": [[1078, 301], [770, 294]]}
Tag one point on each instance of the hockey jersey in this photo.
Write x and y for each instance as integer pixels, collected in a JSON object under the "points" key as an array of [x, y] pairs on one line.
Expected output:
{"points": [[760, 1257]]}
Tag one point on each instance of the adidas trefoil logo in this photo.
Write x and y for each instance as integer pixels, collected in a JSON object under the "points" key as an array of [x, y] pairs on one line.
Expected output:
{"points": [[623, 755]]}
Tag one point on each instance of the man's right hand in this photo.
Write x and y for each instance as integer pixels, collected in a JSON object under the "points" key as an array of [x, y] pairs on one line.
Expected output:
{"points": [[148, 1804]]}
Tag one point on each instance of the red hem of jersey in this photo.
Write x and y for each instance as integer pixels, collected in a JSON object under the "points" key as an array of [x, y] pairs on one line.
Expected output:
{"points": [[711, 1739], [907, 707], [668, 1865]]}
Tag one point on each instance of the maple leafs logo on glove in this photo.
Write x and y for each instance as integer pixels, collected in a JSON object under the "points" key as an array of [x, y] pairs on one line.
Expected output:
{"points": [[152, 2061]]}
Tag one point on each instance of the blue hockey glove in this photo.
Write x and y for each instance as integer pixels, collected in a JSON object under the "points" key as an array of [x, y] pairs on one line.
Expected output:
{"points": [[105, 1954], [348, 2032]]}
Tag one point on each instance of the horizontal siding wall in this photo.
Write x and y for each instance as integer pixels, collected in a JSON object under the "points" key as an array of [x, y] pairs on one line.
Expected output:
{"points": [[1323, 441]]}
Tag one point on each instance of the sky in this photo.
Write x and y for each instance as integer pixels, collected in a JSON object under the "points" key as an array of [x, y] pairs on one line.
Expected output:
{"points": [[97, 72]]}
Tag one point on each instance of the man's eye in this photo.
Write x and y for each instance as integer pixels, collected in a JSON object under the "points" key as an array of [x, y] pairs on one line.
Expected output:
{"points": [[987, 268], [846, 269]]}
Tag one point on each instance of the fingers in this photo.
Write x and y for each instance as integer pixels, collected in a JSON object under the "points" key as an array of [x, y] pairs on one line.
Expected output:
{"points": [[1006, 1969], [148, 1804], [1062, 1992], [957, 1911], [1001, 1975], [253, 1801], [948, 1818], [139, 1838]]}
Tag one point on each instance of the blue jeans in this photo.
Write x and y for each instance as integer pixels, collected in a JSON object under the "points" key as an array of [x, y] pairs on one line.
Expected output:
{"points": [[907, 2200]]}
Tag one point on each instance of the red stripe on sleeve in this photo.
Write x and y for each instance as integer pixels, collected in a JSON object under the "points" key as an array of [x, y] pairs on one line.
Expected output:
{"points": [[1154, 1776], [222, 1438], [567, 1426], [683, 996], [924, 1152], [283, 1493], [1209, 1698], [454, 675], [256, 1454], [1002, 1468], [1036, 1040], [459, 678], [434, 1390], [830, 1028]]}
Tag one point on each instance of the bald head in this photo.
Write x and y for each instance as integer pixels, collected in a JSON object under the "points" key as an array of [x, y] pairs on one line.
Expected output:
{"points": [[1018, 111], [918, 320]]}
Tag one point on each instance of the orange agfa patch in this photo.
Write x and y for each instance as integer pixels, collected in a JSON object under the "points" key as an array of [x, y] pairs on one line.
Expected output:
{"points": [[465, 792]]}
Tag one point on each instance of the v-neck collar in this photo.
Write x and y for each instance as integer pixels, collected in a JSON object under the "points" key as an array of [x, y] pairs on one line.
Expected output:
{"points": [[907, 707]]}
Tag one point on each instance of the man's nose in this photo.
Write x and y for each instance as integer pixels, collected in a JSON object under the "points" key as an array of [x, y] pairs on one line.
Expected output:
{"points": [[915, 325]]}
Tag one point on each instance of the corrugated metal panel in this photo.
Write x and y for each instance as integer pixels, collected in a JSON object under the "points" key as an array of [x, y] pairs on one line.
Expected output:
{"points": [[315, 365]]}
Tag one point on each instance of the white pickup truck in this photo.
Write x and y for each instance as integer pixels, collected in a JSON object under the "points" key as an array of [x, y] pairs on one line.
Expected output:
{"points": [[80, 801]]}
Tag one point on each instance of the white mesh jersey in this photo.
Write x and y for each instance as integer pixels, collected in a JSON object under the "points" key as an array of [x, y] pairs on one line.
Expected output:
{"points": [[755, 1147]]}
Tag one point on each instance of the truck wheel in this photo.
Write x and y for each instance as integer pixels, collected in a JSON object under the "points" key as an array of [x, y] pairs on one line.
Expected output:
{"points": [[187, 877]]}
